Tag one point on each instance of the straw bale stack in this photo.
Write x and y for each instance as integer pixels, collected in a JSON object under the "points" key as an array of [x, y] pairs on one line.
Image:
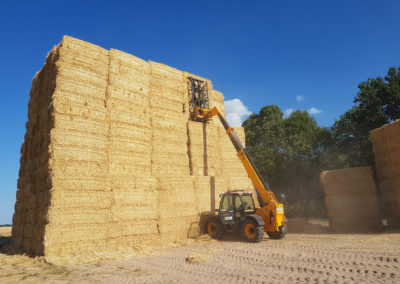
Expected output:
{"points": [[111, 161], [351, 200], [386, 146]]}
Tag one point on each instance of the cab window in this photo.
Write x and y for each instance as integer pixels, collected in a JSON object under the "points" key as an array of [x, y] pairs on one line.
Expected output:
{"points": [[226, 203], [248, 202], [238, 201]]}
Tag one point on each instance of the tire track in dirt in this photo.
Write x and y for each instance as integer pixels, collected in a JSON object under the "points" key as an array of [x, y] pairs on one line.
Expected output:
{"points": [[270, 261]]}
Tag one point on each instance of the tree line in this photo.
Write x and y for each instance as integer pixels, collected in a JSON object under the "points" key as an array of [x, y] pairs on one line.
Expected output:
{"points": [[291, 152]]}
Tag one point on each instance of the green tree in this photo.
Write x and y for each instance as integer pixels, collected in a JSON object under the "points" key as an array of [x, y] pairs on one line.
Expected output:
{"points": [[264, 136], [288, 154], [377, 103]]}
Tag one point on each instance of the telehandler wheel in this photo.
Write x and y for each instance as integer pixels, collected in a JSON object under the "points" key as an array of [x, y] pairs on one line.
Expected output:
{"points": [[215, 229], [252, 232], [278, 235]]}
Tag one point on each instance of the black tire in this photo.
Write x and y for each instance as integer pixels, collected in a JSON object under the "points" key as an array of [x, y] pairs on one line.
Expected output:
{"points": [[252, 232], [278, 235], [214, 228]]}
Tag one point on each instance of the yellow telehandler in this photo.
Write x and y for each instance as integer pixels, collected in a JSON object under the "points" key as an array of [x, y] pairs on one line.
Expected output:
{"points": [[237, 213]]}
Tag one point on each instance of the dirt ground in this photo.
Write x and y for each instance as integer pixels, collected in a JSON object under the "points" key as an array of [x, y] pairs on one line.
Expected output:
{"points": [[304, 258]]}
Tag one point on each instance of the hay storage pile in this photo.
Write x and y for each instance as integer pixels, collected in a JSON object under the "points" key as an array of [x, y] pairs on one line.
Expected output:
{"points": [[386, 146], [111, 162], [351, 200]]}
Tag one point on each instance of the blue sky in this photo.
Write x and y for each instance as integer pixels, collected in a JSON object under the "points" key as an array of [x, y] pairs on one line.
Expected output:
{"points": [[259, 52]]}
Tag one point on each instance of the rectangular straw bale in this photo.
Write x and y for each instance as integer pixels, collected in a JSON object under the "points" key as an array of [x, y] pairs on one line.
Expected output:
{"points": [[165, 121], [134, 211], [66, 122], [72, 80], [175, 229], [78, 138], [68, 87], [205, 194], [351, 200], [57, 251], [132, 118], [163, 104], [221, 185], [76, 232], [124, 245], [176, 192], [165, 75], [78, 169], [128, 169], [130, 193], [240, 183], [133, 228], [127, 133], [127, 156], [92, 99], [61, 152], [77, 215], [80, 198], [82, 50], [76, 183], [79, 108], [216, 99]]}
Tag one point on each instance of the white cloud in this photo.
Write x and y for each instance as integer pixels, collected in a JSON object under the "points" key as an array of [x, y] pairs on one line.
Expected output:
{"points": [[299, 98], [288, 112], [314, 110], [235, 111]]}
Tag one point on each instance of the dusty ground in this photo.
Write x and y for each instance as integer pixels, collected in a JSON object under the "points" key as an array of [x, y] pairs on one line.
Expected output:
{"points": [[315, 258]]}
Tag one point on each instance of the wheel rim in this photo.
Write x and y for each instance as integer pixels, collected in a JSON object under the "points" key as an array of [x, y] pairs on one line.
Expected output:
{"points": [[212, 229], [250, 231]]}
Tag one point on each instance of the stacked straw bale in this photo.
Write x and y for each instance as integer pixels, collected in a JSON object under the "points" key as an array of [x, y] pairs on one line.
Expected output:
{"points": [[111, 162], [351, 200], [386, 146]]}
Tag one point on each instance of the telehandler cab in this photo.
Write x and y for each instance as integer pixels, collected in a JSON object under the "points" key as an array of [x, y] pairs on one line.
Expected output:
{"points": [[237, 212], [236, 215]]}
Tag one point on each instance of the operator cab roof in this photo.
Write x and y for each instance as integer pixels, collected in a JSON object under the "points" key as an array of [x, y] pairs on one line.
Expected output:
{"points": [[238, 192]]}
